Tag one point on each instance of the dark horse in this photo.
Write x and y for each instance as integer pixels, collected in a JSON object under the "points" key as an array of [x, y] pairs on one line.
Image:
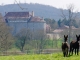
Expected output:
{"points": [[65, 46], [74, 45]]}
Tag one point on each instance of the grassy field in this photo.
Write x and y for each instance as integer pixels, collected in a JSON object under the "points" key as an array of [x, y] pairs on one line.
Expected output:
{"points": [[55, 56]]}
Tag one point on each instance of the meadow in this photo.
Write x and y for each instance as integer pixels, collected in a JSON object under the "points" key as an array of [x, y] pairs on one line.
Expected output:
{"points": [[55, 56]]}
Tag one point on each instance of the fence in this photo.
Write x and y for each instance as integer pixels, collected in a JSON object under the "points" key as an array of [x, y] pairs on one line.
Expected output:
{"points": [[41, 51], [37, 47]]}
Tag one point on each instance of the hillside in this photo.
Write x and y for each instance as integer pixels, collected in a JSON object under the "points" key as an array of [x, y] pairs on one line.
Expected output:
{"points": [[45, 11]]}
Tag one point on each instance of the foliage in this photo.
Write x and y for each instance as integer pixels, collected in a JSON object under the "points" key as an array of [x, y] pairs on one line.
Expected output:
{"points": [[25, 39], [53, 24], [61, 22], [6, 39], [22, 37], [36, 45], [66, 22]]}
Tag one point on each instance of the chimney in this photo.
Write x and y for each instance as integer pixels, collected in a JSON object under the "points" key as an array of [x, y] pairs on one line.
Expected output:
{"points": [[32, 13]]}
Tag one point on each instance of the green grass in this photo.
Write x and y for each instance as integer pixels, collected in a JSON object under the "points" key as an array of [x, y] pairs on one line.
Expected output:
{"points": [[55, 56]]}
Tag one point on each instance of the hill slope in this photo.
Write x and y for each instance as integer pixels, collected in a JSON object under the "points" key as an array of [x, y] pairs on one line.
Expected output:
{"points": [[45, 11]]}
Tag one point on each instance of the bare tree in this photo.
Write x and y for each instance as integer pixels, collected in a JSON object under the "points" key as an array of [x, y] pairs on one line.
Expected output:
{"points": [[69, 15], [41, 36], [6, 38], [22, 36]]}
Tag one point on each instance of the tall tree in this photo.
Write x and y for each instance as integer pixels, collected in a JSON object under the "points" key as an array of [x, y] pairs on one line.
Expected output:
{"points": [[41, 36], [6, 39], [59, 22], [21, 37], [69, 16]]}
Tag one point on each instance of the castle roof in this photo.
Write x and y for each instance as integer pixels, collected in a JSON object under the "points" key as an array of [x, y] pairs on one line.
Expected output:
{"points": [[17, 14]]}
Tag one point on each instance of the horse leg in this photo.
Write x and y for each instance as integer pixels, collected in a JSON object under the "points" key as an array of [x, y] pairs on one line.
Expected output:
{"points": [[64, 53], [75, 51], [72, 51], [67, 52]]}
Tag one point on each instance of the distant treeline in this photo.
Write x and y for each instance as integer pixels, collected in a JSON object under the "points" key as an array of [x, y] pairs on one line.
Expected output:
{"points": [[60, 23]]}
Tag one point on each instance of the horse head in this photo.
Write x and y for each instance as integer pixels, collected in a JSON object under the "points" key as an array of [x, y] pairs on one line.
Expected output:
{"points": [[65, 38], [78, 37]]}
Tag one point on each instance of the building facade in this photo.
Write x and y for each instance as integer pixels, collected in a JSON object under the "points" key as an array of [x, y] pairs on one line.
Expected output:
{"points": [[20, 20]]}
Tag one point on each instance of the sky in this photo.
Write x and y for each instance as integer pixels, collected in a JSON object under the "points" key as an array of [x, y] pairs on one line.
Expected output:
{"points": [[55, 3]]}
